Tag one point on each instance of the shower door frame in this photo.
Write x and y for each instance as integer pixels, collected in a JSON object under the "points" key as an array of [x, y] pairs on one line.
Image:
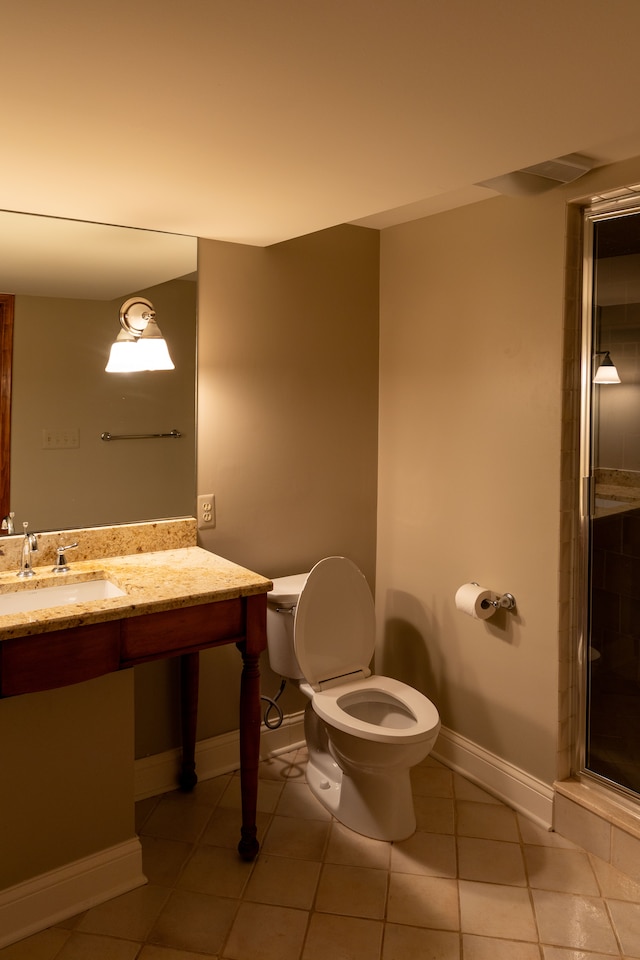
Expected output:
{"points": [[604, 209]]}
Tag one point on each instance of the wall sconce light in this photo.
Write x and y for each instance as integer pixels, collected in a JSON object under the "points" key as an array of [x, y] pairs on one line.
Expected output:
{"points": [[139, 345], [606, 372]]}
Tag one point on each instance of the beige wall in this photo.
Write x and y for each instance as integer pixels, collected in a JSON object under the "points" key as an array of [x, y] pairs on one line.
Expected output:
{"points": [[469, 466], [67, 762], [287, 407], [287, 416]]}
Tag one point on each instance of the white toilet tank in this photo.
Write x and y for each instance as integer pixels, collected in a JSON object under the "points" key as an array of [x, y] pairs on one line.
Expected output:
{"points": [[281, 604]]}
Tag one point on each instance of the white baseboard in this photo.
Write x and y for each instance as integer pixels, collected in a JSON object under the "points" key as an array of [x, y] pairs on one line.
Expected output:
{"points": [[51, 897], [515, 787], [221, 754], [214, 756]]}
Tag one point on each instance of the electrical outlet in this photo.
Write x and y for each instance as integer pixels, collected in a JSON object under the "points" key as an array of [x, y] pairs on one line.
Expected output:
{"points": [[206, 511]]}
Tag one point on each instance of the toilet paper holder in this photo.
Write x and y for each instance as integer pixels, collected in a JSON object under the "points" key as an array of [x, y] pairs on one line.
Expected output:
{"points": [[505, 601]]}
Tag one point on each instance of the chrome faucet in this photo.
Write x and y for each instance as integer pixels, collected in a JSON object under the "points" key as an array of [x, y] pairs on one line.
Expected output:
{"points": [[8, 524], [29, 546], [61, 561]]}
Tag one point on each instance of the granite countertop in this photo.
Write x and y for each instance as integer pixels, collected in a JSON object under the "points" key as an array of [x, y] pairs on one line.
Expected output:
{"points": [[152, 581], [616, 490]]}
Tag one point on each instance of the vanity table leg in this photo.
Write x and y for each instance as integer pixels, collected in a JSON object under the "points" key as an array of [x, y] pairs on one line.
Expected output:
{"points": [[249, 750], [189, 677]]}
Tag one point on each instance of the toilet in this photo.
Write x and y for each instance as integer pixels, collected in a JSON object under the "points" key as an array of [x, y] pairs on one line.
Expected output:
{"points": [[363, 732]]}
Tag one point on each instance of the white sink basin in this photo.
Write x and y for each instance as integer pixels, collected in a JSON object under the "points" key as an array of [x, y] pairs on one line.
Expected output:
{"points": [[22, 601]]}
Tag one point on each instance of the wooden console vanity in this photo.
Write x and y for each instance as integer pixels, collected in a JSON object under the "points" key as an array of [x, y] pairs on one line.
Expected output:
{"points": [[177, 602]]}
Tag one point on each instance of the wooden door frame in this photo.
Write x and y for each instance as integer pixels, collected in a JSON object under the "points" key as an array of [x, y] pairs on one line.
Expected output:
{"points": [[7, 308]]}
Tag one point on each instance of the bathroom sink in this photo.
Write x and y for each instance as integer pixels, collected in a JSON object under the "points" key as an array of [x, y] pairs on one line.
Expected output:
{"points": [[22, 601]]}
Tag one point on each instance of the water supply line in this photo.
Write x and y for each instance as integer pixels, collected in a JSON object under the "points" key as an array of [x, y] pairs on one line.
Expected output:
{"points": [[273, 724]]}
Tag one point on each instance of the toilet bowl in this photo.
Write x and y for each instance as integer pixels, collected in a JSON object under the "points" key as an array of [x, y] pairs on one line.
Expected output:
{"points": [[364, 732]]}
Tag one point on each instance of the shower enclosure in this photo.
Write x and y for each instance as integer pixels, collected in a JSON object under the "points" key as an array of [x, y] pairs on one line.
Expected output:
{"points": [[610, 495]]}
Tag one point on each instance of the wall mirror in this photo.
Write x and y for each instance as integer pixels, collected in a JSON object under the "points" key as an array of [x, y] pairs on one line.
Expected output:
{"points": [[67, 281]]}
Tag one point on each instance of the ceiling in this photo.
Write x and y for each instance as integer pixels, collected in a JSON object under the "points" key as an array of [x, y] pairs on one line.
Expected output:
{"points": [[256, 121]]}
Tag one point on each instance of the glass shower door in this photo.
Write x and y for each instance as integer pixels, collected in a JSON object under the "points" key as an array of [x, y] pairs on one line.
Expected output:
{"points": [[611, 507]]}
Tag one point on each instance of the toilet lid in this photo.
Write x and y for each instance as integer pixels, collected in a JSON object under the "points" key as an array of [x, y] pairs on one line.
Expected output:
{"points": [[334, 626]]}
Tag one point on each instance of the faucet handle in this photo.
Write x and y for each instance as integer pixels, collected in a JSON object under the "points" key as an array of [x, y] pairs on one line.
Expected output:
{"points": [[61, 561]]}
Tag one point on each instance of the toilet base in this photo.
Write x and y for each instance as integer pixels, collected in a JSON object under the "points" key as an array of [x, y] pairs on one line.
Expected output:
{"points": [[374, 806]]}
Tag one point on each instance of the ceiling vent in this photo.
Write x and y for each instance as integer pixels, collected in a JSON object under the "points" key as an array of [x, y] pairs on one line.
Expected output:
{"points": [[541, 176]]}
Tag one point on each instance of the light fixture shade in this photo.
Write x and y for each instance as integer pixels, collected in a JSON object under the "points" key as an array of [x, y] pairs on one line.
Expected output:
{"points": [[139, 346], [153, 354], [606, 372], [123, 357]]}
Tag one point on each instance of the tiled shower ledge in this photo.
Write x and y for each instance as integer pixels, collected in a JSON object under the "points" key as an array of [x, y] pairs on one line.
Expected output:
{"points": [[616, 810], [601, 823]]}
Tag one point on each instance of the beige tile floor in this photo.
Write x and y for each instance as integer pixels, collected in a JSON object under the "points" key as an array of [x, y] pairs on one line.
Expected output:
{"points": [[475, 882]]}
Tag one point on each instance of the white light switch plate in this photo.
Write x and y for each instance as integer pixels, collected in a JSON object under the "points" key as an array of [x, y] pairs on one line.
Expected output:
{"points": [[60, 438]]}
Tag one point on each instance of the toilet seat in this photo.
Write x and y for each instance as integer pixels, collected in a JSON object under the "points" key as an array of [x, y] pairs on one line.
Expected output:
{"points": [[383, 699], [334, 638], [334, 626]]}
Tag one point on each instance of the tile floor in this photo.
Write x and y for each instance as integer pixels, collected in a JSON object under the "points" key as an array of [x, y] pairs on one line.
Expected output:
{"points": [[475, 882]]}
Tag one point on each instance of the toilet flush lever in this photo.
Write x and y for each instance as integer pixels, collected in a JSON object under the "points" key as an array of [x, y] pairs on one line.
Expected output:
{"points": [[288, 610]]}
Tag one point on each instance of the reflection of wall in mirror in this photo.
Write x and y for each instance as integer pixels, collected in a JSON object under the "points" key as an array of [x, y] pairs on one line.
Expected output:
{"points": [[616, 413], [61, 347]]}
